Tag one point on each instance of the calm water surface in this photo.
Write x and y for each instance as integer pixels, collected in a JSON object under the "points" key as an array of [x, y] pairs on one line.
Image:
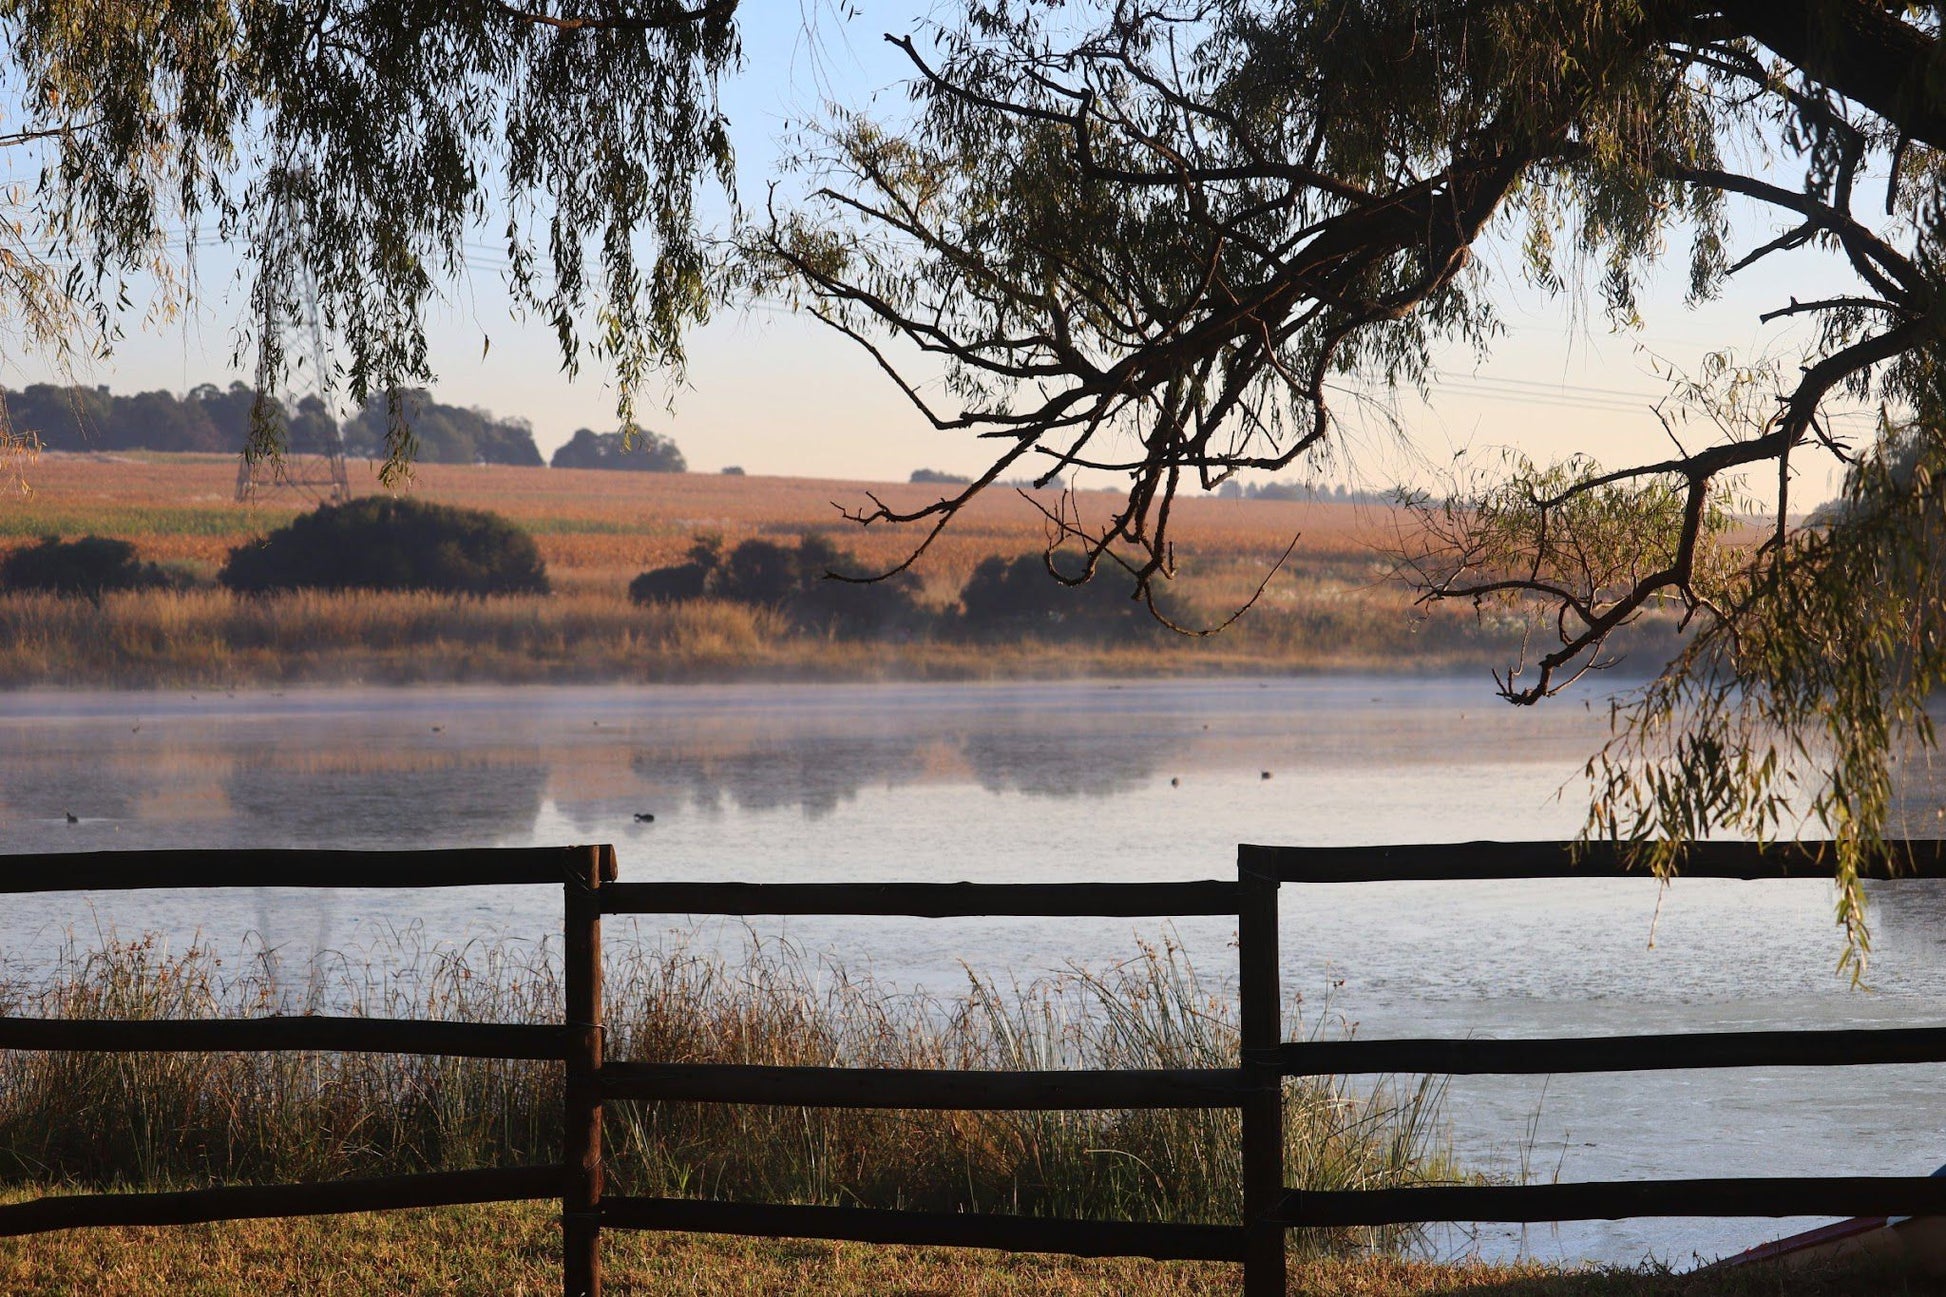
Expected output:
{"points": [[1047, 782]]}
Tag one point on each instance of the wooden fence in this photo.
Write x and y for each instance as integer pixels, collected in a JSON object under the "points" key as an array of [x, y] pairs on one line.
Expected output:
{"points": [[1270, 1207]]}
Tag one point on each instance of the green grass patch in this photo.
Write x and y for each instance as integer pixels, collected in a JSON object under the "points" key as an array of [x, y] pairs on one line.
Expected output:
{"points": [[145, 520]]}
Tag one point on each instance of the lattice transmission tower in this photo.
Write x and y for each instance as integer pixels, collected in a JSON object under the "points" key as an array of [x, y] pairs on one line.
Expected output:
{"points": [[319, 475]]}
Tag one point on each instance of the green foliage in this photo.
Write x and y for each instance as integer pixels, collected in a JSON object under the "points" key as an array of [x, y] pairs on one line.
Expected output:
{"points": [[386, 543], [638, 449], [1040, 596], [90, 566], [209, 419]]}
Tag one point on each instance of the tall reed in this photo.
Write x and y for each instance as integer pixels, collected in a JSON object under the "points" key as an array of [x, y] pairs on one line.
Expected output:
{"points": [[172, 1119]]}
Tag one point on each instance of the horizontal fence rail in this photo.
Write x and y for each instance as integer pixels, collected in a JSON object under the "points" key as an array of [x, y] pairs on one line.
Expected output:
{"points": [[1619, 1199], [268, 1034], [251, 1202], [1465, 861], [927, 900], [1845, 1047], [104, 871], [1161, 1241], [968, 1091]]}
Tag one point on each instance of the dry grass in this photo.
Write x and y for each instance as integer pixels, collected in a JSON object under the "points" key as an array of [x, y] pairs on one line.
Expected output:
{"points": [[600, 529], [166, 1120], [514, 1251], [1329, 608]]}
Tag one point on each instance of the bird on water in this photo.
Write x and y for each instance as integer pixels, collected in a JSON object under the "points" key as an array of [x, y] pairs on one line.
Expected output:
{"points": [[73, 818]]}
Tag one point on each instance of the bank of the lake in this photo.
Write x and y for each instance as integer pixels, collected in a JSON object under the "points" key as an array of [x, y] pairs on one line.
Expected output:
{"points": [[203, 639]]}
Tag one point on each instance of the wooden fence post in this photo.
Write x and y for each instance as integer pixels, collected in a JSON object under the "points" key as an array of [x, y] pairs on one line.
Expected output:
{"points": [[581, 1124], [1260, 1009]]}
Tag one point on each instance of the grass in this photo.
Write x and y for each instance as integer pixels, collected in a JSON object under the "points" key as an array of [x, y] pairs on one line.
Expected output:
{"points": [[1331, 607], [150, 1120], [514, 1251], [210, 638]]}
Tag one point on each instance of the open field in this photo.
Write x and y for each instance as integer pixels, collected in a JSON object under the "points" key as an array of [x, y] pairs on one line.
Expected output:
{"points": [[1331, 606], [598, 529]]}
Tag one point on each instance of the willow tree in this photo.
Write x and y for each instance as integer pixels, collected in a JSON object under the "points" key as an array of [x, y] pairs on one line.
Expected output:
{"points": [[1163, 240], [1158, 240], [366, 149]]}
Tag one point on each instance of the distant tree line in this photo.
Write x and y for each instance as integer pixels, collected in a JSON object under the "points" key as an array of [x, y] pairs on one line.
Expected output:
{"points": [[216, 420], [1339, 494], [641, 451]]}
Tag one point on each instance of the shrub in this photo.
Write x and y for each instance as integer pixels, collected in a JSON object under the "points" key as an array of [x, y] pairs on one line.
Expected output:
{"points": [[1013, 596], [933, 477], [382, 543], [90, 566], [794, 581]]}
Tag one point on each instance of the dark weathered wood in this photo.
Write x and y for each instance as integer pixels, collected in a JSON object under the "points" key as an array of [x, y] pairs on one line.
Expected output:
{"points": [[336, 1035], [924, 900], [1615, 1199], [1658, 1053], [1920, 858], [1260, 1020], [969, 1091], [581, 1184], [101, 871], [249, 1202], [1164, 1242]]}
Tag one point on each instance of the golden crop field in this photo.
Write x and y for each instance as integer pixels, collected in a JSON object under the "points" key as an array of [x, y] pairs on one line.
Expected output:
{"points": [[1332, 603], [598, 529]]}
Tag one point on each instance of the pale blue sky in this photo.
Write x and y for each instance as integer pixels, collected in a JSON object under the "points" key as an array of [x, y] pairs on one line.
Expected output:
{"points": [[778, 394]]}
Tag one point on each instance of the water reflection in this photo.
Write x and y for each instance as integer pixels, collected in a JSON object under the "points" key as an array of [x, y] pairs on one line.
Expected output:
{"points": [[814, 773], [357, 795], [1063, 760]]}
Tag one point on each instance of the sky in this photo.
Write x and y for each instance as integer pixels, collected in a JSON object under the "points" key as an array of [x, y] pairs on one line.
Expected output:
{"points": [[776, 393]]}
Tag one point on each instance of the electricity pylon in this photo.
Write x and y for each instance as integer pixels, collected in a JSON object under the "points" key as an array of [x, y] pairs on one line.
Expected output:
{"points": [[320, 476]]}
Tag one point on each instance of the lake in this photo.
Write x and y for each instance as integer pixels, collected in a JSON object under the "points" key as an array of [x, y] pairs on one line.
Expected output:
{"points": [[1047, 782]]}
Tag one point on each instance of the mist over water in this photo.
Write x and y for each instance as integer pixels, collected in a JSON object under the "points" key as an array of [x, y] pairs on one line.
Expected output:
{"points": [[1043, 782]]}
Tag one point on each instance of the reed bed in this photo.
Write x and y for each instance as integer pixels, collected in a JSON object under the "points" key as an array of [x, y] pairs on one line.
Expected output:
{"points": [[211, 637], [102, 1120]]}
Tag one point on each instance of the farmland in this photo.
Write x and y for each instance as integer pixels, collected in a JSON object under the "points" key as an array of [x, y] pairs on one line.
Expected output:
{"points": [[1330, 606]]}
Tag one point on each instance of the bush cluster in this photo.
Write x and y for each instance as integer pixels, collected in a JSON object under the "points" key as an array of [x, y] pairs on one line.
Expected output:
{"points": [[92, 566], [386, 543], [1003, 598], [795, 580]]}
